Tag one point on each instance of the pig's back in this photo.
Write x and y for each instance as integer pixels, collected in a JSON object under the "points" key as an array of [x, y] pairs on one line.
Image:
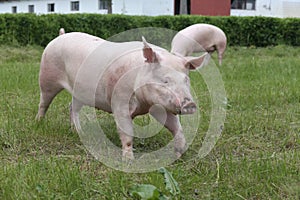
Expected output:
{"points": [[204, 34], [74, 48], [65, 54], [197, 37]]}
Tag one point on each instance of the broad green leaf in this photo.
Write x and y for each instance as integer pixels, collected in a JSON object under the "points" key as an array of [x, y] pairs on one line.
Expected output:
{"points": [[147, 192], [171, 183]]}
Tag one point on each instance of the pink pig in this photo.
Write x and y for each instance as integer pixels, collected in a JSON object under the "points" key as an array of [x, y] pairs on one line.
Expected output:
{"points": [[199, 37], [125, 79]]}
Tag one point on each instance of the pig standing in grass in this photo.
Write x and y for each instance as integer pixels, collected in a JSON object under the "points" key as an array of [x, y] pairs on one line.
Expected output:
{"points": [[199, 37], [125, 79]]}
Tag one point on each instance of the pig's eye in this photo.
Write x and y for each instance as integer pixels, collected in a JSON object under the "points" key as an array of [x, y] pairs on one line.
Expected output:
{"points": [[166, 80]]}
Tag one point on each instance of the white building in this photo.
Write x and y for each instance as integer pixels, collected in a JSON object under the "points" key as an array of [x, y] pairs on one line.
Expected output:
{"points": [[130, 7], [270, 8]]}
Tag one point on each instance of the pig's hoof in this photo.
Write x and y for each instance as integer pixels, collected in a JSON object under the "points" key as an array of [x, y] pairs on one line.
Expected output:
{"points": [[180, 151], [72, 128], [39, 118], [178, 155]]}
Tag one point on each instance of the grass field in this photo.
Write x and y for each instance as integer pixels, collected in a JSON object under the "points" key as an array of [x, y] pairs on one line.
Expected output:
{"points": [[257, 156]]}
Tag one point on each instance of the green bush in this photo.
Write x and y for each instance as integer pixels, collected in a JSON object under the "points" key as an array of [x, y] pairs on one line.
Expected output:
{"points": [[291, 31], [23, 29]]}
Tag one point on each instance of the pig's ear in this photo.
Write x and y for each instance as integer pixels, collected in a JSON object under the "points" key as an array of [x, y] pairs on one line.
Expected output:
{"points": [[149, 54], [196, 62]]}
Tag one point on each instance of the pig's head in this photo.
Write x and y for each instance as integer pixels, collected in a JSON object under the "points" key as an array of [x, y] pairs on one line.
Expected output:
{"points": [[164, 80]]}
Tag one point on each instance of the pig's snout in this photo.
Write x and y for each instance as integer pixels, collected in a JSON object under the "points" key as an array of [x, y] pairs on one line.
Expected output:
{"points": [[188, 107]]}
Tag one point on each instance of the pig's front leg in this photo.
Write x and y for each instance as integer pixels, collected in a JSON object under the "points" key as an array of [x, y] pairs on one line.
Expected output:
{"points": [[125, 130], [172, 123]]}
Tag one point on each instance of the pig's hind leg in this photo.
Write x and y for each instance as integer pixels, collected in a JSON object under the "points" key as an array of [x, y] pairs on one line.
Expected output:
{"points": [[50, 85], [46, 96]]}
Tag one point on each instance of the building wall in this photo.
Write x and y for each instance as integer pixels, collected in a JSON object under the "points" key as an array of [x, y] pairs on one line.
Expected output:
{"points": [[272, 8], [61, 6], [143, 7], [291, 8], [128, 7], [161, 7], [263, 8], [210, 7]]}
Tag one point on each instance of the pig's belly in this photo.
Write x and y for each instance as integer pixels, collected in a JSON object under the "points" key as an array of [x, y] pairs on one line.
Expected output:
{"points": [[90, 94]]}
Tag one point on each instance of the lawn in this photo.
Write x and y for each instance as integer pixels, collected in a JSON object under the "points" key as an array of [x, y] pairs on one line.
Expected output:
{"points": [[256, 157]]}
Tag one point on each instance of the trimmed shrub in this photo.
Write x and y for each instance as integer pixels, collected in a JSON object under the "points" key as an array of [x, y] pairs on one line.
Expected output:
{"points": [[23, 29], [290, 31]]}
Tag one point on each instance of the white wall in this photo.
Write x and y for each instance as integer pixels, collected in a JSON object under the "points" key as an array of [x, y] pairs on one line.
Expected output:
{"points": [[263, 8], [61, 6], [127, 7], [91, 6], [291, 8], [272, 8], [143, 7], [161, 7]]}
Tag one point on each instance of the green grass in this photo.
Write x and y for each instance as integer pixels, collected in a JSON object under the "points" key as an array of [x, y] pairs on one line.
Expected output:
{"points": [[257, 156]]}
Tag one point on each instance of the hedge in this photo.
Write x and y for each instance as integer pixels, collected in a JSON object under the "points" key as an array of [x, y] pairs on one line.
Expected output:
{"points": [[24, 29]]}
